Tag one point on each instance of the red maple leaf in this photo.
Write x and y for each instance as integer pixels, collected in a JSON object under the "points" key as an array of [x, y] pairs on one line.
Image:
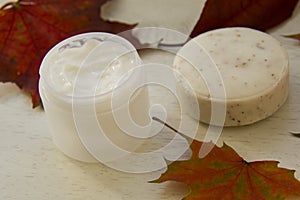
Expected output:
{"points": [[257, 14], [223, 174], [29, 28]]}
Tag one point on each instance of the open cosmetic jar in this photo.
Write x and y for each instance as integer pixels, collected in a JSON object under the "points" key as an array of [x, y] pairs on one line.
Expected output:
{"points": [[93, 96]]}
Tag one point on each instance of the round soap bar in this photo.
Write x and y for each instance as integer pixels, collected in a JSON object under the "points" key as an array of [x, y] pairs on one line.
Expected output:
{"points": [[253, 69]]}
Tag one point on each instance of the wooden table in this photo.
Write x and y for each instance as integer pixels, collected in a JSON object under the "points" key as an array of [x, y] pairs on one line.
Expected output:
{"points": [[31, 167]]}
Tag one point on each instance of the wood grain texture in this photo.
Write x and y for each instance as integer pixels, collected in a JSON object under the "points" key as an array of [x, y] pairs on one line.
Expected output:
{"points": [[32, 168]]}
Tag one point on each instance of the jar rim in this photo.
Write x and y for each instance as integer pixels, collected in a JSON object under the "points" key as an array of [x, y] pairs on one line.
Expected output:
{"points": [[80, 40]]}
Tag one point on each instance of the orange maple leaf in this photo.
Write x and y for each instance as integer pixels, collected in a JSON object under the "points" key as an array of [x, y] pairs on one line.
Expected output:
{"points": [[223, 174]]}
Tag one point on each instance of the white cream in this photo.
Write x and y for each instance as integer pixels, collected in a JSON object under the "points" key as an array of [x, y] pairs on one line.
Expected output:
{"points": [[99, 62], [254, 70], [85, 81]]}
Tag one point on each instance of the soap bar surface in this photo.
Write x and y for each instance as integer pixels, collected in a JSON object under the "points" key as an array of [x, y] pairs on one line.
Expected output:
{"points": [[254, 70]]}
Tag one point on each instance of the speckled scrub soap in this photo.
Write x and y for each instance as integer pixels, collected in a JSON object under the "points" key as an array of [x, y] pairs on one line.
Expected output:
{"points": [[254, 70]]}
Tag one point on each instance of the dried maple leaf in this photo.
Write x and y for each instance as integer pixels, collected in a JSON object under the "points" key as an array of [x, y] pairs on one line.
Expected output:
{"points": [[295, 36], [257, 14], [223, 174], [29, 28]]}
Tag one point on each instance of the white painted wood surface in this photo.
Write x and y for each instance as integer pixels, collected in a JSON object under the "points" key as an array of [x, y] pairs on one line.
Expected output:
{"points": [[32, 168]]}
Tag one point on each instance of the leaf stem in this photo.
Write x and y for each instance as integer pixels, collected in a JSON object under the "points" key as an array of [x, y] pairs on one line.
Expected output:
{"points": [[7, 5], [296, 134], [169, 126], [172, 45], [13, 4]]}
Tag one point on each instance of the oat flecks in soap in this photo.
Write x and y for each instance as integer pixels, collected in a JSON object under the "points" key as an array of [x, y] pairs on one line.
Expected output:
{"points": [[254, 68]]}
